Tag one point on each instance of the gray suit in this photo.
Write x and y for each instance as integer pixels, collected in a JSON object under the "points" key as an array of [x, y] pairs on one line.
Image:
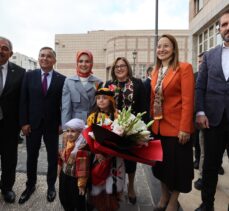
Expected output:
{"points": [[78, 100], [212, 89], [212, 97]]}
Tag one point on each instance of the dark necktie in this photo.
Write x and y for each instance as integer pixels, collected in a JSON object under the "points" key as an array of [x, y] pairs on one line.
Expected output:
{"points": [[45, 83]]}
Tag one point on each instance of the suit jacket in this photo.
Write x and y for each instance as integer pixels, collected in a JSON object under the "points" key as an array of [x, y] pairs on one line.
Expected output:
{"points": [[77, 100], [147, 84], [178, 103], [139, 96], [212, 89], [10, 97], [36, 108]]}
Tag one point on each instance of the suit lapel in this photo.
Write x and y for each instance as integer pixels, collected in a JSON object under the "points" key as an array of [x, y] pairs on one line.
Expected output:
{"points": [[9, 78], [81, 88], [169, 76], [218, 61]]}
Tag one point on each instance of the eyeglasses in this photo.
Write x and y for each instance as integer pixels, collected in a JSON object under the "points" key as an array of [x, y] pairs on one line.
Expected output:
{"points": [[86, 61], [120, 66]]}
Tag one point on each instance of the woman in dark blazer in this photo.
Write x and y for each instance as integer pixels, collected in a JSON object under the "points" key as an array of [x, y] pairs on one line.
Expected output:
{"points": [[129, 91]]}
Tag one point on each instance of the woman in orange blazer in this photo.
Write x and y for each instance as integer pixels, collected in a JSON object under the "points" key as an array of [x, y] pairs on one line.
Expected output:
{"points": [[172, 103]]}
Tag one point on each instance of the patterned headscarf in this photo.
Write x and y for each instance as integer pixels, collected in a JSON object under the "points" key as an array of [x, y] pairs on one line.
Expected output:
{"points": [[78, 55]]}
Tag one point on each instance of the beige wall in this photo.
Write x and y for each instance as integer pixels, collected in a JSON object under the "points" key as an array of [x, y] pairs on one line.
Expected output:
{"points": [[202, 22], [108, 45]]}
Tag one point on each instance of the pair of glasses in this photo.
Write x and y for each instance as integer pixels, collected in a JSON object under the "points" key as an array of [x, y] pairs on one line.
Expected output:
{"points": [[86, 61], [120, 66]]}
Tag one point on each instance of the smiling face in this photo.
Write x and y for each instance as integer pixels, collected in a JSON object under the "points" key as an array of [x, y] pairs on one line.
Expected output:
{"points": [[5, 51], [224, 28], [103, 102], [72, 134], [121, 70], [84, 63], [46, 59], [165, 50]]}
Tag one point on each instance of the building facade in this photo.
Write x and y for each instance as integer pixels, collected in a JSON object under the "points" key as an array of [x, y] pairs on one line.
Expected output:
{"points": [[24, 61], [136, 45], [203, 25]]}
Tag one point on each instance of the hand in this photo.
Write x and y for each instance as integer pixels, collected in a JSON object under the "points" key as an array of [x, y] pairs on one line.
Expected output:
{"points": [[81, 191], [100, 157], [60, 130], [183, 137], [26, 130], [202, 121]]}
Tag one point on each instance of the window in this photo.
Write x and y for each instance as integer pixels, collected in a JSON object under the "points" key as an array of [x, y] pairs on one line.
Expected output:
{"points": [[198, 5]]}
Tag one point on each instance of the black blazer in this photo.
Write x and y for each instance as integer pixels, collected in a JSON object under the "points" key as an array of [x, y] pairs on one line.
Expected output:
{"points": [[36, 108], [10, 97], [139, 96]]}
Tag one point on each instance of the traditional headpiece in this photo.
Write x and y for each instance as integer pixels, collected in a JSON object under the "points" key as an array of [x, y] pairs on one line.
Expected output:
{"points": [[76, 124], [107, 92]]}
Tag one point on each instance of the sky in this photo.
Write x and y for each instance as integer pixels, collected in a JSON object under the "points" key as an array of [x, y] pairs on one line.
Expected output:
{"points": [[32, 24]]}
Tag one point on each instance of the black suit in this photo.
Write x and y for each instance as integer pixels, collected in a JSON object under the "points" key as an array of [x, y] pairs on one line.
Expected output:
{"points": [[9, 125], [43, 114], [147, 84]]}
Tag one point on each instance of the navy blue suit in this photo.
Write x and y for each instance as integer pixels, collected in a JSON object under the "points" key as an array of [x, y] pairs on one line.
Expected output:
{"points": [[43, 114], [9, 125], [212, 97]]}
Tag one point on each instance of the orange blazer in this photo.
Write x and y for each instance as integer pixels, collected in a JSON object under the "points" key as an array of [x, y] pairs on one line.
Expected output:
{"points": [[178, 104]]}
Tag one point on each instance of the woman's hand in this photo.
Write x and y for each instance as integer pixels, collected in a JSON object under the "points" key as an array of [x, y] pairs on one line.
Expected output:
{"points": [[183, 137]]}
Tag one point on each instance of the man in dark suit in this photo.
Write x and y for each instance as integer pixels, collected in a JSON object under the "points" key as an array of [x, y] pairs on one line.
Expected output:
{"points": [[147, 84], [11, 77], [212, 106], [40, 117]]}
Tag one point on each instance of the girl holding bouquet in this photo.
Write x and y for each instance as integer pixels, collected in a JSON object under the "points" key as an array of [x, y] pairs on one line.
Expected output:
{"points": [[106, 190]]}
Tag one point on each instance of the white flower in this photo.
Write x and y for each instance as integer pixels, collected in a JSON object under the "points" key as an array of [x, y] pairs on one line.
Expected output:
{"points": [[118, 129]]}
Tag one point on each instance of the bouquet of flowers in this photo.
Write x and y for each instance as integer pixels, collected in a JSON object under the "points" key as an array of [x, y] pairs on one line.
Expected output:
{"points": [[126, 137], [133, 130]]}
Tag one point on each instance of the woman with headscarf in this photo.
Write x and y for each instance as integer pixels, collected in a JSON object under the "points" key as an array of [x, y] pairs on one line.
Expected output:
{"points": [[78, 97]]}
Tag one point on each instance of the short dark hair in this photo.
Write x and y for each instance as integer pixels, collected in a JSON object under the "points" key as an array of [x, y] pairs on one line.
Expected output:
{"points": [[48, 48], [149, 69], [9, 42], [224, 13]]}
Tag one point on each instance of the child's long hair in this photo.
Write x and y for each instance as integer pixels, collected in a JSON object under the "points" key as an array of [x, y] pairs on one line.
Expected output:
{"points": [[111, 108]]}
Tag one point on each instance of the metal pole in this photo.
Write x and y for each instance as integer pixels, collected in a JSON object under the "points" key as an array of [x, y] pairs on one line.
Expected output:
{"points": [[156, 30]]}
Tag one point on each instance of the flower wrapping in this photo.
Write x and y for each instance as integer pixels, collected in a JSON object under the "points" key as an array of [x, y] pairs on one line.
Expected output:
{"points": [[110, 143]]}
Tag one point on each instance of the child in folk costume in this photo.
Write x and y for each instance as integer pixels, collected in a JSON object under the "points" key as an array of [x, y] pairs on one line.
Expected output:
{"points": [[74, 167], [106, 191]]}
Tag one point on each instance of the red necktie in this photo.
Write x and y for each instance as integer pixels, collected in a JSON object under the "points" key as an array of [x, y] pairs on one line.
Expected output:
{"points": [[45, 83]]}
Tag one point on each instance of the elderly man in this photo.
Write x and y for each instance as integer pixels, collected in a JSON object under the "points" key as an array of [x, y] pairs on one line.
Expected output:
{"points": [[212, 91], [11, 77]]}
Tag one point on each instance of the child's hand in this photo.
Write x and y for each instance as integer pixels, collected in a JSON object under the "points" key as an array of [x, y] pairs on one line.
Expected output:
{"points": [[81, 191], [100, 157], [71, 160]]}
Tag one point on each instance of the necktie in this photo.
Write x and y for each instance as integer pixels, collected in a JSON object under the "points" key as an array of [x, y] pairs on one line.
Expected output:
{"points": [[1, 89], [45, 83]]}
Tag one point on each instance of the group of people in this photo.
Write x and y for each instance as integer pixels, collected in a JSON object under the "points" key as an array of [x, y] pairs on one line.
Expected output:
{"points": [[43, 102]]}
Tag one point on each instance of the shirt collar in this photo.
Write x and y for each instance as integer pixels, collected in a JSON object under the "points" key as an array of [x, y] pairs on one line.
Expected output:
{"points": [[224, 46], [43, 72], [5, 65]]}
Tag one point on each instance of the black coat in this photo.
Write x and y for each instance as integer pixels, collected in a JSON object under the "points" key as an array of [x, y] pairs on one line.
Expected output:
{"points": [[10, 97], [139, 96]]}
